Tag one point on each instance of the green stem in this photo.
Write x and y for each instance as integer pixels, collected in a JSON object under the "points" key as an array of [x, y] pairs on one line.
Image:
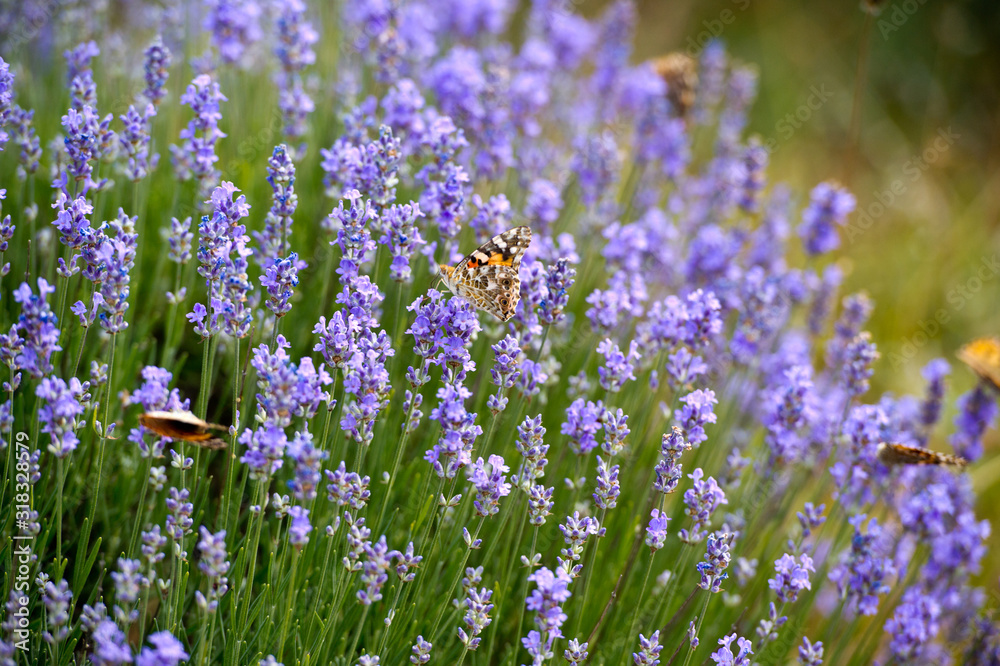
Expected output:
{"points": [[675, 576], [203, 386], [638, 605], [60, 480], [588, 575], [524, 593], [357, 634], [227, 496], [505, 581], [290, 605], [168, 347], [241, 626], [104, 432], [141, 510], [400, 447], [454, 583], [697, 629], [392, 608]]}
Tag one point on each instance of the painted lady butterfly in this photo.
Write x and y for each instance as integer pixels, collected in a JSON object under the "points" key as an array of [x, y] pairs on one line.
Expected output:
{"points": [[488, 278]]}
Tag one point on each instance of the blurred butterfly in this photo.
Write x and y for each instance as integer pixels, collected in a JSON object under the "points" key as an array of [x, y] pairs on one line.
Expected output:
{"points": [[901, 454], [184, 426], [680, 72], [488, 278], [983, 356]]}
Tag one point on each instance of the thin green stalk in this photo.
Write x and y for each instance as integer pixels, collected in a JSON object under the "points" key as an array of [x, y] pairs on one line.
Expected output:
{"points": [[201, 642], [227, 494], [588, 574], [357, 634], [524, 593], [322, 576], [79, 351], [203, 385], [675, 575], [60, 480], [400, 447], [141, 510], [241, 625], [697, 629], [505, 581], [168, 346], [290, 605], [392, 609], [638, 606], [104, 432], [454, 583]]}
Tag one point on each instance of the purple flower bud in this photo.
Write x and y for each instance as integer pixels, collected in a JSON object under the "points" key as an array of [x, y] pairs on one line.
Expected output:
{"points": [[913, 626], [576, 653], [490, 486], [717, 557], [476, 617], [402, 236], [166, 651], [697, 411], [421, 651], [110, 646], [725, 655], [700, 502], [299, 528], [279, 279], [196, 157], [618, 367], [539, 504], [59, 413], [656, 530], [862, 572], [374, 571], [546, 600], [977, 411], [810, 654], [57, 599], [791, 577], [828, 207], [347, 488], [583, 420], [649, 650], [859, 355], [156, 65]]}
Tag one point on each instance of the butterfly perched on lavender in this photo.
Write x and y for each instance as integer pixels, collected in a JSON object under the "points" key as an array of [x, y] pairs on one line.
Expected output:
{"points": [[488, 278]]}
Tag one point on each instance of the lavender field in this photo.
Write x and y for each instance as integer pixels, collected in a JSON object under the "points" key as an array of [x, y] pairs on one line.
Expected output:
{"points": [[229, 219]]}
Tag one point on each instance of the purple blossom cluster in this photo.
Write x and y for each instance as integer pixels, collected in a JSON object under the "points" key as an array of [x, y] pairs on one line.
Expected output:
{"points": [[196, 156]]}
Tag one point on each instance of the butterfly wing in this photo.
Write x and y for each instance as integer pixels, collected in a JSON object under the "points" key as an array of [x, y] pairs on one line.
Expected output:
{"points": [[983, 356], [488, 276], [505, 249], [901, 454]]}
